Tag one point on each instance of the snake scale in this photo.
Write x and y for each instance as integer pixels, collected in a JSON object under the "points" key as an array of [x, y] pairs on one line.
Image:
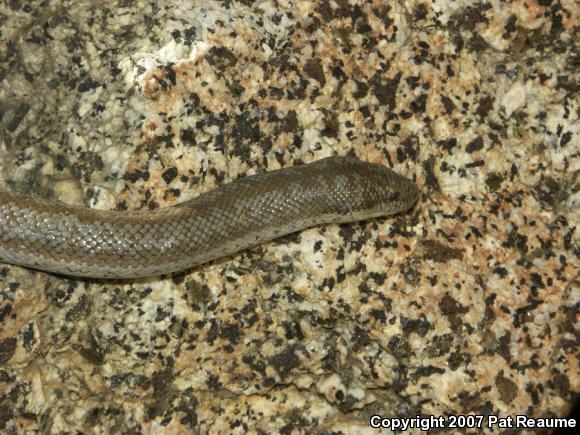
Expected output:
{"points": [[78, 241]]}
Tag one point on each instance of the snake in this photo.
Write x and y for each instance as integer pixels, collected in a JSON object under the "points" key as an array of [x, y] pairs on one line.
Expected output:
{"points": [[78, 241]]}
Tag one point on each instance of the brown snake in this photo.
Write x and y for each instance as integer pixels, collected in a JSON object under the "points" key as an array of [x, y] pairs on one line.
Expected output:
{"points": [[78, 241]]}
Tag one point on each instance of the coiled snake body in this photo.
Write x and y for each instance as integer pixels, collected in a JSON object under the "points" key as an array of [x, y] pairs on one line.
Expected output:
{"points": [[78, 241]]}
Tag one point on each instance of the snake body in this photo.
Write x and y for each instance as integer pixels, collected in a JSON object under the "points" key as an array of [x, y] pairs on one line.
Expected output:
{"points": [[77, 241]]}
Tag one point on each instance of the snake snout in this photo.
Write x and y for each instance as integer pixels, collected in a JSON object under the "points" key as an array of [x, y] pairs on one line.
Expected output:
{"points": [[396, 193], [412, 192]]}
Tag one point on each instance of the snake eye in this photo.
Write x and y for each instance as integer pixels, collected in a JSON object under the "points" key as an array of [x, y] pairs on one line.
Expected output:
{"points": [[394, 196]]}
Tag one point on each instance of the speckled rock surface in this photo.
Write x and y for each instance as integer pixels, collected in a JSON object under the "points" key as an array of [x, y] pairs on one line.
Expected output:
{"points": [[466, 305]]}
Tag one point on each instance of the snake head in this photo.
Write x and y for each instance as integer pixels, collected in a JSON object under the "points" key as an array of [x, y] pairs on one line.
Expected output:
{"points": [[388, 192], [360, 190]]}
